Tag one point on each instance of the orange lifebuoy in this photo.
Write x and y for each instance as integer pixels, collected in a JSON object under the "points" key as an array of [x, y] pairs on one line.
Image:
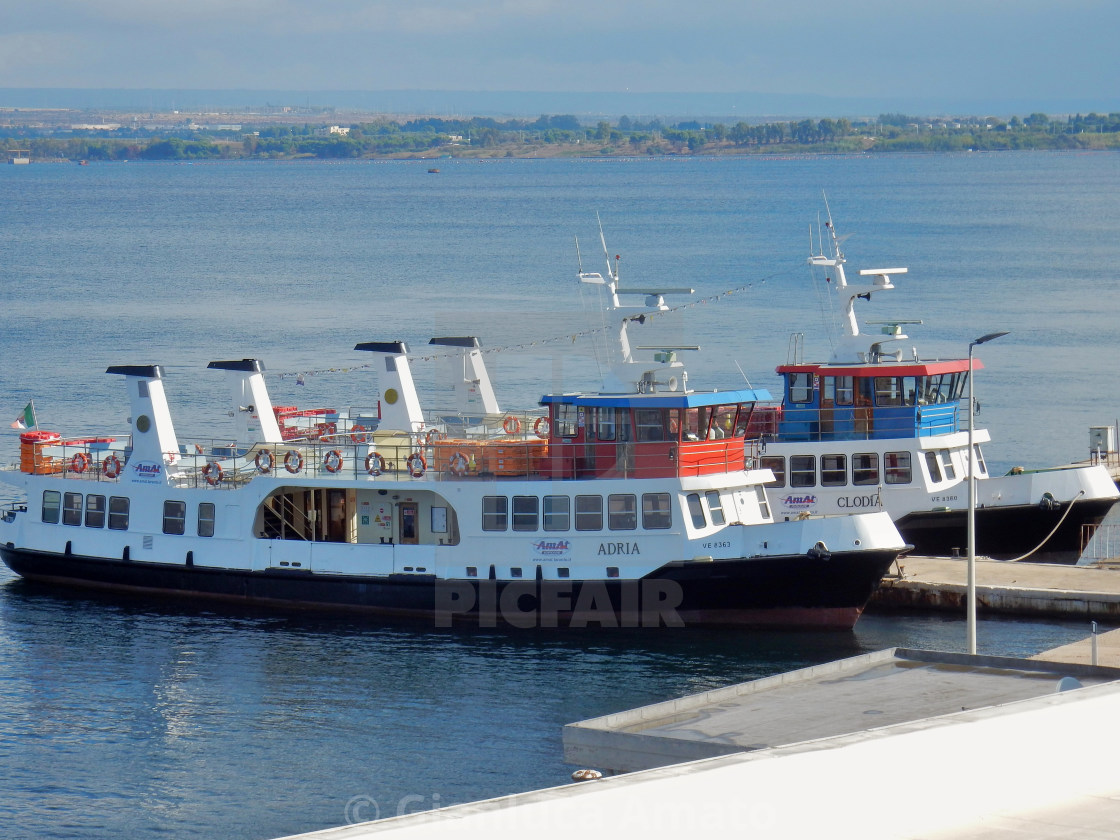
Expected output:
{"points": [[293, 461], [416, 464], [79, 463], [511, 425], [111, 466], [333, 461], [358, 434], [458, 464], [432, 436], [264, 461], [374, 463], [212, 472], [541, 427]]}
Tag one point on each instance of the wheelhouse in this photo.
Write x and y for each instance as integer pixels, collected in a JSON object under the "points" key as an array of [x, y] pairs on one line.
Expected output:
{"points": [[861, 402], [649, 435]]}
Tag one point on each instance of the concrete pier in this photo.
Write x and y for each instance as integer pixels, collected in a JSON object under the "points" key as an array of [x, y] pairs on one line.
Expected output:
{"points": [[898, 745], [940, 583]]}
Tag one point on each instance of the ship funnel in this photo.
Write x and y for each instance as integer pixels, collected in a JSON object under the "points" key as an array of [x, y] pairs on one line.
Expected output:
{"points": [[400, 406], [154, 445], [252, 407]]}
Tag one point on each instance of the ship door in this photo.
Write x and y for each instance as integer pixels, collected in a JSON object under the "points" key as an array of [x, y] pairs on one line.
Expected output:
{"points": [[409, 520], [336, 516]]}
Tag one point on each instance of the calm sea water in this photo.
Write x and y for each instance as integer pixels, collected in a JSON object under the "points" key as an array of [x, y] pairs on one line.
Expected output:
{"points": [[144, 719]]}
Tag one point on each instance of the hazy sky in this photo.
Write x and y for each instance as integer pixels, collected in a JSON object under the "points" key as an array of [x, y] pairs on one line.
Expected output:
{"points": [[1021, 50]]}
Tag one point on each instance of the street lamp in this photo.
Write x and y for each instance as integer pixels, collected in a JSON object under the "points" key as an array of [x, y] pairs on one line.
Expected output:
{"points": [[971, 609]]}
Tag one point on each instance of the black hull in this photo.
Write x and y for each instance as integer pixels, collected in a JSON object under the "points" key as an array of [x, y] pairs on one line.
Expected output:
{"points": [[1005, 532], [792, 591]]}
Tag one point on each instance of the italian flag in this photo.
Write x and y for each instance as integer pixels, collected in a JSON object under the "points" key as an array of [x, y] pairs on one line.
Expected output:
{"points": [[26, 418]]}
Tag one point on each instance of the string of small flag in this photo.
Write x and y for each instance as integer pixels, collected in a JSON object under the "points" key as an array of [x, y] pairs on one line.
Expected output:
{"points": [[569, 338]]}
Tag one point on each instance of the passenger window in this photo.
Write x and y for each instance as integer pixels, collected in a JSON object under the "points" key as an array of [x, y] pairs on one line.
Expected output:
{"points": [[52, 506], [622, 512], [206, 519], [95, 511], [656, 512], [494, 513], [557, 513], [763, 505], [174, 517], [777, 465], [981, 467], [934, 467], [802, 471], [72, 509], [589, 513], [118, 513], [865, 468], [834, 470], [525, 513], [897, 467]]}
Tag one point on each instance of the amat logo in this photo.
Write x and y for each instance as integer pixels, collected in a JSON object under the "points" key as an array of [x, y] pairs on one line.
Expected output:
{"points": [[552, 547], [799, 501], [143, 468]]}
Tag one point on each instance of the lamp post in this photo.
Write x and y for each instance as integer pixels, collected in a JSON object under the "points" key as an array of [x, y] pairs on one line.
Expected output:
{"points": [[971, 609]]}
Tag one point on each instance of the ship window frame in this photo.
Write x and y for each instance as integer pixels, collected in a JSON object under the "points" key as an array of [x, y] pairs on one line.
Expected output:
{"points": [[526, 513], [845, 390], [207, 531], [715, 507], [649, 424], [174, 524], [622, 512], [605, 424], [800, 387], [118, 519], [566, 420], [866, 474], [901, 472], [589, 512], [495, 513], [95, 512], [657, 511], [556, 513], [52, 507], [947, 467], [696, 510], [981, 466], [763, 501], [767, 462], [72, 506], [888, 392], [835, 475], [801, 475], [933, 466]]}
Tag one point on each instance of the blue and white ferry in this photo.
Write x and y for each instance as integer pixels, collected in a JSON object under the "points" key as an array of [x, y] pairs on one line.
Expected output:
{"points": [[877, 427]]}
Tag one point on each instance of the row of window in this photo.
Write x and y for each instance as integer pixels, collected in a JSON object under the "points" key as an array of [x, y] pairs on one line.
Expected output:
{"points": [[865, 469], [557, 513], [886, 390], [91, 509], [650, 424]]}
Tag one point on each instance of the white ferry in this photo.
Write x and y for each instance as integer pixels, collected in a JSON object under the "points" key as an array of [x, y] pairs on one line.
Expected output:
{"points": [[876, 427], [626, 508]]}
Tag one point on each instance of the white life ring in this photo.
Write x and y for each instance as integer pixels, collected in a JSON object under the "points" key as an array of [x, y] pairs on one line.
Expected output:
{"points": [[458, 465], [333, 461], [541, 427], [375, 464], [212, 472], [293, 461], [111, 466], [416, 464], [511, 425], [264, 461]]}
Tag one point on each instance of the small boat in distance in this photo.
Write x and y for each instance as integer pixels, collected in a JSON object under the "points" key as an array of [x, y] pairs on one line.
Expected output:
{"points": [[631, 506]]}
